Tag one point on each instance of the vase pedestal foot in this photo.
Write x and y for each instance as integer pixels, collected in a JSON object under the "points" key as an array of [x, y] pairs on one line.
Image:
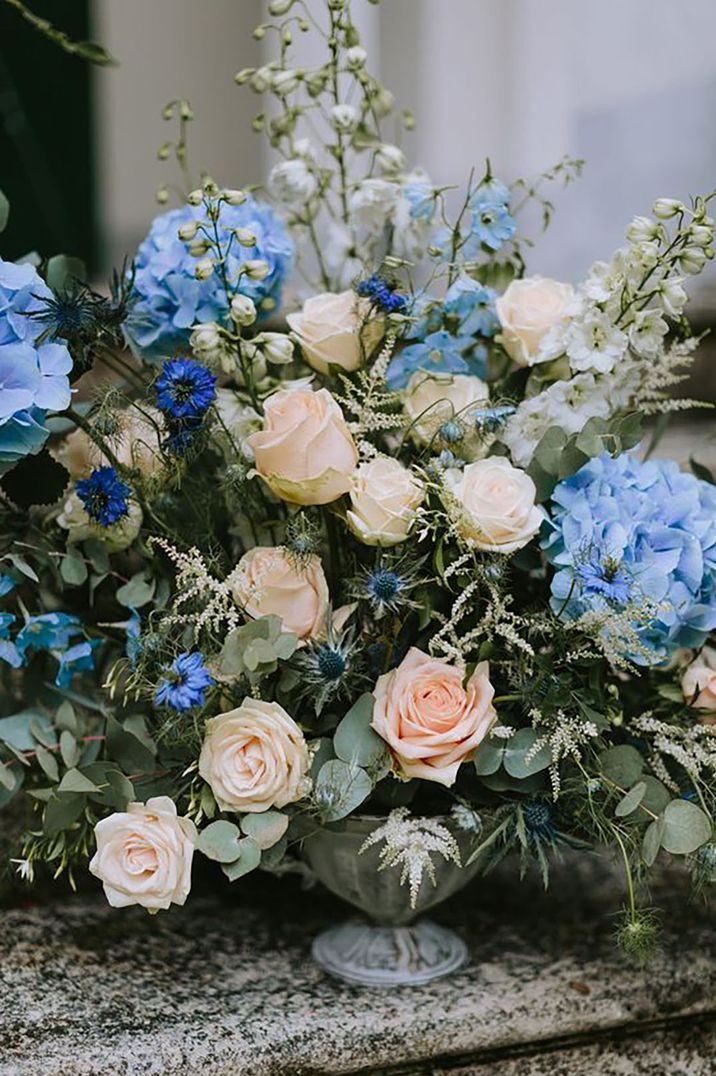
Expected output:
{"points": [[371, 955]]}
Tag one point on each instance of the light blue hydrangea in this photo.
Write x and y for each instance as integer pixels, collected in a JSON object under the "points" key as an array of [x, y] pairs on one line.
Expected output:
{"points": [[626, 533], [33, 375], [167, 297]]}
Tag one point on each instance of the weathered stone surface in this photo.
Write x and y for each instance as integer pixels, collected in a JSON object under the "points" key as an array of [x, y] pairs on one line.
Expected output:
{"points": [[222, 989]]}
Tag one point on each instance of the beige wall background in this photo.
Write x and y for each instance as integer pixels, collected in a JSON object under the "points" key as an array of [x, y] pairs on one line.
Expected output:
{"points": [[630, 85]]}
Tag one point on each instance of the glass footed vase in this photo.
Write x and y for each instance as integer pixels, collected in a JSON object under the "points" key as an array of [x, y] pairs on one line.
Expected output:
{"points": [[393, 946]]}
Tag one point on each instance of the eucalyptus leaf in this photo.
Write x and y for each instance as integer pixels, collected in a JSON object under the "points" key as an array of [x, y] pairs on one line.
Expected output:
{"points": [[686, 827], [356, 742], [220, 841], [75, 781], [137, 592], [61, 811], [249, 859], [69, 749], [11, 781], [266, 828], [622, 764], [651, 842], [48, 763], [631, 801], [488, 757], [340, 788], [519, 761], [73, 568]]}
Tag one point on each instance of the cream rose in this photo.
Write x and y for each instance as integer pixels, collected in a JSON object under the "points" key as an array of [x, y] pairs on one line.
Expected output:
{"points": [[494, 504], [304, 452], [384, 498], [431, 720], [699, 684], [79, 526], [254, 757], [144, 855], [267, 581], [335, 329], [137, 445], [433, 399], [528, 311]]}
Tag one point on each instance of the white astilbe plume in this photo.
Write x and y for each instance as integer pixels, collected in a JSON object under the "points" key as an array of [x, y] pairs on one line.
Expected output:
{"points": [[409, 843], [565, 735], [368, 398], [216, 608], [692, 748]]}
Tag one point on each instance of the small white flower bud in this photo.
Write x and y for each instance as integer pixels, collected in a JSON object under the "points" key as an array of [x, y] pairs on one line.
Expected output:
{"points": [[210, 188], [205, 338], [188, 231], [276, 347], [261, 79], [666, 208], [284, 82], [700, 235], [232, 197], [280, 7], [195, 197], [162, 194], [245, 237], [199, 247], [692, 260], [383, 103], [243, 310], [255, 269], [163, 151], [344, 118], [390, 159], [244, 75], [204, 269], [642, 229], [356, 58], [304, 149]]}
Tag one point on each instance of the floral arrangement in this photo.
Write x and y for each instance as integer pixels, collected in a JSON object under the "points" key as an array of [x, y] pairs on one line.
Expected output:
{"points": [[359, 523]]}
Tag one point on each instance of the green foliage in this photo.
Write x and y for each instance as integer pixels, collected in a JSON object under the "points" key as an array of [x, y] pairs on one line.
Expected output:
{"points": [[4, 211], [266, 828], [356, 743], [86, 50], [516, 755], [340, 788], [220, 841], [254, 650], [558, 454]]}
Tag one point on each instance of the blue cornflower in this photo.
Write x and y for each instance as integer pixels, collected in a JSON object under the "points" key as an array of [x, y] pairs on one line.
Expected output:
{"points": [[76, 659], [603, 574], [9, 652], [440, 353], [383, 295], [185, 389], [48, 631], [469, 308], [104, 495], [185, 683]]}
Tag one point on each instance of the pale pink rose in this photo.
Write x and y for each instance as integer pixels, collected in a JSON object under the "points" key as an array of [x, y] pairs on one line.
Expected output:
{"points": [[529, 310], [385, 497], [493, 504], [335, 329], [144, 855], [267, 581], [304, 452], [136, 445], [429, 718], [254, 757], [699, 684]]}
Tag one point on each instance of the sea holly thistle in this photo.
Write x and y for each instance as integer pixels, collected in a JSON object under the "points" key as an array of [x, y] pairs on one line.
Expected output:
{"points": [[410, 843]]}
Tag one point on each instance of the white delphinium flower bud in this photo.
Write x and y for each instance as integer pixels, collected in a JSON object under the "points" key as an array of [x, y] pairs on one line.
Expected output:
{"points": [[284, 82], [243, 310], [692, 260], [390, 159], [291, 182], [280, 7], [303, 148], [666, 208], [245, 237], [276, 347], [195, 197], [203, 269], [372, 203], [232, 197], [700, 235], [643, 229], [198, 247], [672, 296], [344, 118], [256, 269], [210, 188], [383, 103], [188, 231], [261, 79], [207, 343], [356, 58]]}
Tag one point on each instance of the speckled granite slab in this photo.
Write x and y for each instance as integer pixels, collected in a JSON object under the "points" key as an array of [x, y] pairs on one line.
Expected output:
{"points": [[228, 989]]}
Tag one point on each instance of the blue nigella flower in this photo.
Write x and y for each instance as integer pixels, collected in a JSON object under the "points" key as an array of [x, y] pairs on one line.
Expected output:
{"points": [[167, 299], [440, 353], [76, 659], [33, 375], [657, 525], [382, 294], [470, 307], [185, 389], [185, 683], [9, 652], [492, 419], [48, 631], [104, 495]]}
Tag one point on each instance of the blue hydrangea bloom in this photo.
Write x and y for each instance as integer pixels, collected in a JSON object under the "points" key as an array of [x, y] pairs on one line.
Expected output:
{"points": [[185, 683], [439, 352], [471, 306], [33, 376], [48, 631], [168, 299], [624, 532], [9, 652], [104, 495], [185, 389]]}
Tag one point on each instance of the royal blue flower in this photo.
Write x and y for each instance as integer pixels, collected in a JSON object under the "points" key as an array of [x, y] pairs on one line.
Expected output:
{"points": [[185, 683], [185, 389], [48, 631], [104, 495], [76, 659], [469, 308], [9, 652], [33, 375], [168, 300], [382, 294], [626, 533], [441, 353]]}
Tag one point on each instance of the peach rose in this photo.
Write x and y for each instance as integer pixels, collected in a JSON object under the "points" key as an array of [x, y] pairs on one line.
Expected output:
{"points": [[267, 581], [254, 758], [429, 718], [137, 445], [333, 329], [699, 680], [494, 504], [433, 399], [144, 855], [528, 311], [304, 452], [384, 498]]}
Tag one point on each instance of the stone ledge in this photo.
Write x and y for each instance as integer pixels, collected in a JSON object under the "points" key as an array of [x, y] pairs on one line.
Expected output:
{"points": [[228, 988]]}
